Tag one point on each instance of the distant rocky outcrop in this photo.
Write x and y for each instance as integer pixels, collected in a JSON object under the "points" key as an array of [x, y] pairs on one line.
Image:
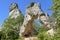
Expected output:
{"points": [[14, 16], [13, 22], [14, 11]]}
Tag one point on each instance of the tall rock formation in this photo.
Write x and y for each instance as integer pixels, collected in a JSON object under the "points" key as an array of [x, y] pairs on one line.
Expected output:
{"points": [[14, 11], [27, 29], [15, 16], [34, 11], [11, 26]]}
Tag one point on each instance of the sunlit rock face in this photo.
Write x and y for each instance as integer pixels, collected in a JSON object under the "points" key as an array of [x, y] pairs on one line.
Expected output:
{"points": [[34, 11], [47, 22], [27, 29], [51, 32], [14, 11]]}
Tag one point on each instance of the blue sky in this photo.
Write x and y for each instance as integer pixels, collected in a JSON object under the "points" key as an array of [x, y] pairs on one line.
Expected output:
{"points": [[22, 4]]}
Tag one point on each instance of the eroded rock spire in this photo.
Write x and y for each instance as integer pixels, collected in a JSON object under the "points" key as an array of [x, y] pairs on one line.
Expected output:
{"points": [[27, 29], [13, 6], [14, 11], [34, 11]]}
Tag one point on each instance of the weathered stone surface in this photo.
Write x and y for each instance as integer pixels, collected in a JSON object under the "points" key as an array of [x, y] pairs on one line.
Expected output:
{"points": [[27, 29], [48, 24], [14, 11], [13, 6], [34, 11]]}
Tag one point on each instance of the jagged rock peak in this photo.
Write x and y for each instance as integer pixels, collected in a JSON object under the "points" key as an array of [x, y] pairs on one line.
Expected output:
{"points": [[14, 10], [13, 6], [32, 4], [33, 7]]}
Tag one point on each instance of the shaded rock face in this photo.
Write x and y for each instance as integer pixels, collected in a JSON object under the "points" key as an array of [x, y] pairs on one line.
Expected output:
{"points": [[34, 11], [14, 11]]}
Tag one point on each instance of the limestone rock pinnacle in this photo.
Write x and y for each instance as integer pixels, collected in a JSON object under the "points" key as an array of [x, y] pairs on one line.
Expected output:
{"points": [[34, 11], [14, 11], [13, 6]]}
